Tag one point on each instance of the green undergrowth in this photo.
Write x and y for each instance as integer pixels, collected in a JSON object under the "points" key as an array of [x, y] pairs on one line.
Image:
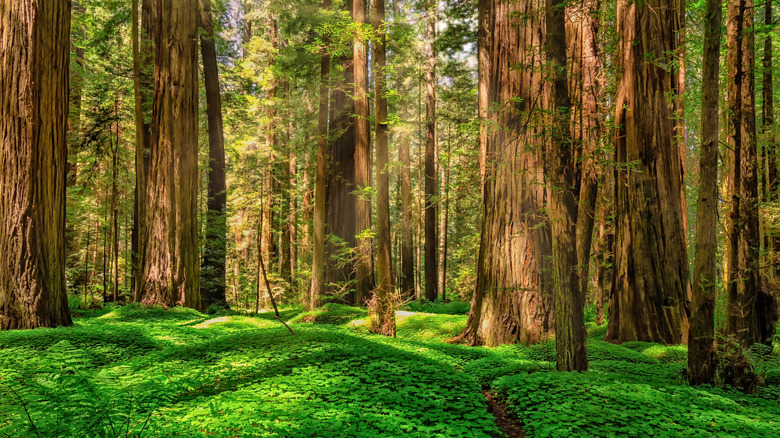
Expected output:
{"points": [[439, 307], [133, 371]]}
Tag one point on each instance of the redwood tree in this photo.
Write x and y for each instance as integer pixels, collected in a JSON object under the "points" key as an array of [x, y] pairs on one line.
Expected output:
{"points": [[172, 264], [34, 69], [651, 280], [214, 251], [382, 312], [751, 312], [431, 226], [701, 347], [511, 301]]}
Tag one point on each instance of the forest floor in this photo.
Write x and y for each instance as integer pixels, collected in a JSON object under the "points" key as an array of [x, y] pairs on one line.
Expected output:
{"points": [[130, 371]]}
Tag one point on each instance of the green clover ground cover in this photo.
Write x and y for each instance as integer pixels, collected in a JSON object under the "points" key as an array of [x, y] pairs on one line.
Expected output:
{"points": [[149, 372]]}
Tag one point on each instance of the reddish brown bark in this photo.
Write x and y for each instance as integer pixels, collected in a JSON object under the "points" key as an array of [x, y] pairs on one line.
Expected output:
{"points": [[34, 70], [651, 282], [512, 300], [751, 312], [701, 346], [382, 312], [172, 264]]}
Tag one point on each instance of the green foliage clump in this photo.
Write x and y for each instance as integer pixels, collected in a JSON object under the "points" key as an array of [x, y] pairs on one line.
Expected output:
{"points": [[439, 307], [662, 353], [331, 313], [429, 327], [607, 404]]}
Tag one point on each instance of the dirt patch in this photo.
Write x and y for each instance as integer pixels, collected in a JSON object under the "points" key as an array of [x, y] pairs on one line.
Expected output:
{"points": [[506, 421]]}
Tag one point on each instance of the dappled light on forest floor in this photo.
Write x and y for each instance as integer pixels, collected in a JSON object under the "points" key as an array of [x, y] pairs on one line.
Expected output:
{"points": [[182, 373]]}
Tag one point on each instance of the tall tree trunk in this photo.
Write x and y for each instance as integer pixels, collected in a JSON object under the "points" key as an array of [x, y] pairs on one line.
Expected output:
{"points": [[772, 237], [34, 69], [569, 300], [115, 212], [320, 185], [444, 220], [431, 228], [341, 201], [512, 301], [751, 311], [407, 215], [420, 214], [382, 312], [701, 346], [585, 87], [143, 88], [172, 264], [485, 21], [364, 283], [269, 248], [651, 280], [215, 248]]}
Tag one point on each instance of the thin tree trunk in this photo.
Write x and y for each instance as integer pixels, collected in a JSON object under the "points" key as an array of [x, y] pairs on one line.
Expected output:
{"points": [[362, 158], [115, 212], [215, 249], [34, 69], [320, 186], [568, 298], [172, 263], [701, 345], [585, 87], [142, 89], [443, 226], [431, 226], [382, 313], [407, 217], [418, 292], [751, 311], [772, 238]]}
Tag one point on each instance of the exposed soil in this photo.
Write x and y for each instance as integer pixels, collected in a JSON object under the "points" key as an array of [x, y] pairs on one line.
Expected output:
{"points": [[506, 421]]}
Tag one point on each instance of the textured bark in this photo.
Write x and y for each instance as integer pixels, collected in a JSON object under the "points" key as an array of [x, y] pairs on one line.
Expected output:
{"points": [[569, 301], [143, 88], [701, 346], [585, 87], [115, 212], [431, 203], [444, 218], [364, 271], [271, 138], [215, 248], [751, 311], [341, 200], [34, 69], [651, 282], [74, 116], [512, 301], [381, 317], [172, 266], [772, 236], [320, 186], [484, 32], [407, 216]]}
